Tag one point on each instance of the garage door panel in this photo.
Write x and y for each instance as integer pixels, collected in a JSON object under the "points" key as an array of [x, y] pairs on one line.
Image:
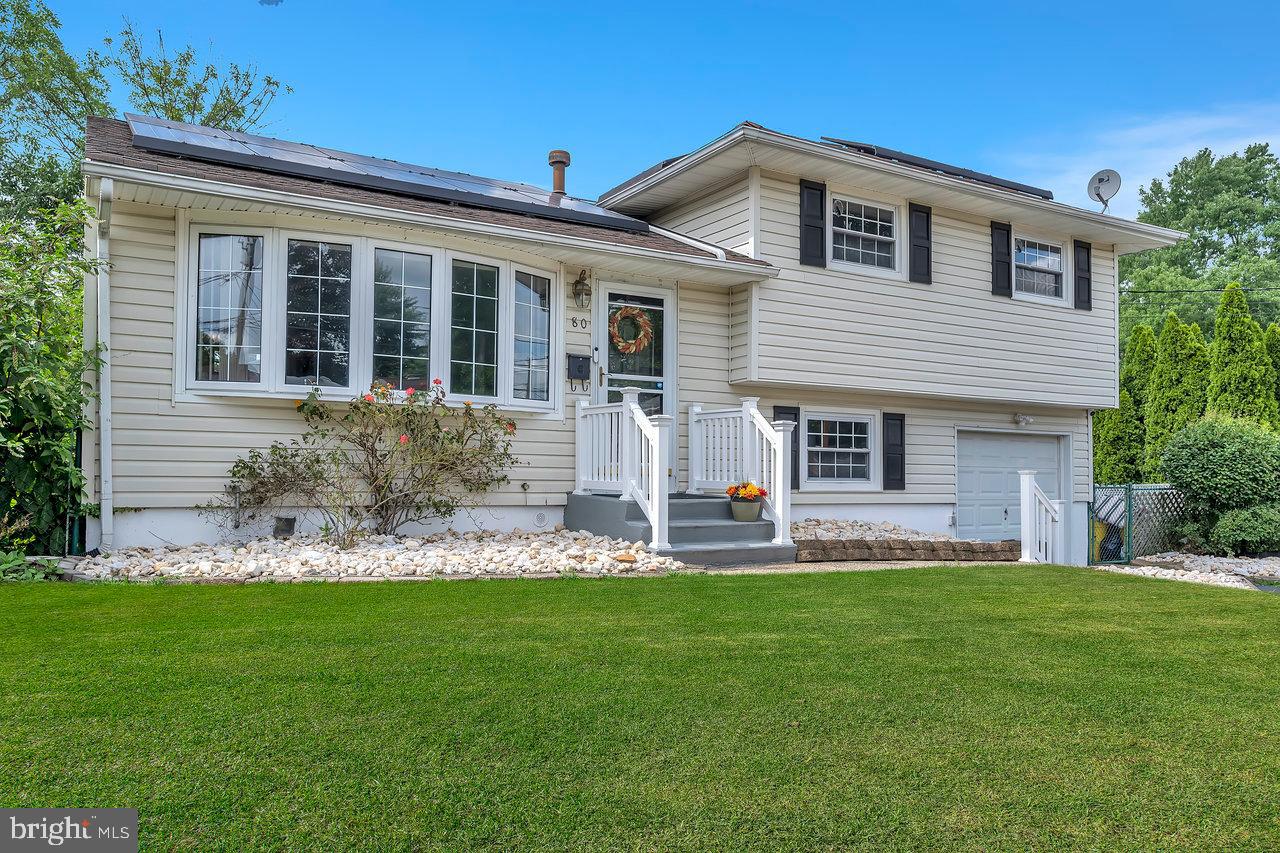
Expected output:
{"points": [[988, 485]]}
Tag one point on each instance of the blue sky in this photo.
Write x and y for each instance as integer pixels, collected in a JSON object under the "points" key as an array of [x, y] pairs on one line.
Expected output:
{"points": [[1043, 93]]}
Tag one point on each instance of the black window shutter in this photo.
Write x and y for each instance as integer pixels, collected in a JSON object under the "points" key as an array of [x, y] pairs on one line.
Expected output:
{"points": [[895, 451], [792, 413], [813, 224], [1084, 275], [920, 264], [1001, 259]]}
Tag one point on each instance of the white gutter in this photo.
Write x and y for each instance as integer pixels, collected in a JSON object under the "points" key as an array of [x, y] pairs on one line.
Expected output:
{"points": [[106, 500], [106, 171], [692, 241], [614, 199]]}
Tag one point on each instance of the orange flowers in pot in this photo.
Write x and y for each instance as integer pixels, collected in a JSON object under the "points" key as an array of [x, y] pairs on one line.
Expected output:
{"points": [[746, 492]]}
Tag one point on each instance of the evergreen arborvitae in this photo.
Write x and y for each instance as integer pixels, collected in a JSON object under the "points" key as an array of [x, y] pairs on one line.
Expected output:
{"points": [[1136, 366], [1271, 343], [1118, 444], [1242, 382], [1179, 383]]}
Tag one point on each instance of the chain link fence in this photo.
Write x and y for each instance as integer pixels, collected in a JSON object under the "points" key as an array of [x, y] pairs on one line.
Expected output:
{"points": [[1133, 520]]}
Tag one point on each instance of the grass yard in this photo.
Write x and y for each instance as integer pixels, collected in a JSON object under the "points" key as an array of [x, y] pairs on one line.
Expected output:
{"points": [[1007, 707]]}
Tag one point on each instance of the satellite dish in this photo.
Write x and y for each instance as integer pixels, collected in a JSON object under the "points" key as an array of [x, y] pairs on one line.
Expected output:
{"points": [[1103, 186]]}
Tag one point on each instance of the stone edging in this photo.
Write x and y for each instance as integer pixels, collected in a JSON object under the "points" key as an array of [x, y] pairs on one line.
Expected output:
{"points": [[882, 550]]}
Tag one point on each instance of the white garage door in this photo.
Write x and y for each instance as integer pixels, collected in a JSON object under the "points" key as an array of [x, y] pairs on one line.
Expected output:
{"points": [[988, 490]]}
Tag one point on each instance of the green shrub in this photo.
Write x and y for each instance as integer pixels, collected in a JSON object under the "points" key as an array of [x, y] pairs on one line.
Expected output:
{"points": [[1117, 456], [1221, 464], [1176, 393], [43, 399], [385, 460], [1252, 530], [1242, 381]]}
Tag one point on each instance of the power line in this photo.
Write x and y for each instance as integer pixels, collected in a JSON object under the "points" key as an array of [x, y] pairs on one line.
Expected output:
{"points": [[1124, 292]]}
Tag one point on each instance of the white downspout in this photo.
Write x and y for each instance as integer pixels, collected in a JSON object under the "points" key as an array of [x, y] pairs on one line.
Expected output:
{"points": [[106, 500]]}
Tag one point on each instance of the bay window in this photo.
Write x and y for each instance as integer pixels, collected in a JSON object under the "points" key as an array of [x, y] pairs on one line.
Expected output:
{"points": [[228, 323], [273, 313]]}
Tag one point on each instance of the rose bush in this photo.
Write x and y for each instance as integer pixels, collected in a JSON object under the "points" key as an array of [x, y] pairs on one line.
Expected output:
{"points": [[384, 460]]}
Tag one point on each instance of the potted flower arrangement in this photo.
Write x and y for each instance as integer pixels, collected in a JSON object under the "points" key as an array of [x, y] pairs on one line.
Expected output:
{"points": [[746, 500]]}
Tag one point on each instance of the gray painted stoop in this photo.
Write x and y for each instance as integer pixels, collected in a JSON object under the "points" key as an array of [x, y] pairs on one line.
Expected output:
{"points": [[702, 530]]}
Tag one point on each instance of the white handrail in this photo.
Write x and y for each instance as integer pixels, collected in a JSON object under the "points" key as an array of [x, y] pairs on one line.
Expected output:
{"points": [[646, 442], [739, 445], [598, 433], [1041, 522]]}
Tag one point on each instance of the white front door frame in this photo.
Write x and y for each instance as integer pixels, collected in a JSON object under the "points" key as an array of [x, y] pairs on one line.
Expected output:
{"points": [[600, 350]]}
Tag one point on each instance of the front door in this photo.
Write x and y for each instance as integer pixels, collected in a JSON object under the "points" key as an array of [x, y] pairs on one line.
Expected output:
{"points": [[636, 341]]}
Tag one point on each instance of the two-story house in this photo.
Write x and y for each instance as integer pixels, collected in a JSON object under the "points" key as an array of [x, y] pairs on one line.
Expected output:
{"points": [[867, 333]]}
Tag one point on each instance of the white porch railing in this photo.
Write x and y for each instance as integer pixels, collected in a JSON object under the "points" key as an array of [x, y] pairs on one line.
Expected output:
{"points": [[1043, 522], [621, 449], [740, 445]]}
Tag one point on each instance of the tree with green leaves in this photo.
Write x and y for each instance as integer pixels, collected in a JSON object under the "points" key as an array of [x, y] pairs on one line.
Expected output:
{"points": [[1118, 444], [1230, 207], [46, 95], [43, 399], [1242, 380], [1271, 343], [1178, 388], [1138, 362]]}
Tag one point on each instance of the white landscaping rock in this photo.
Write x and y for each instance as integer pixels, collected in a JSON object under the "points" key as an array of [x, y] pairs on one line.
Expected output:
{"points": [[1190, 576], [839, 528], [450, 554]]}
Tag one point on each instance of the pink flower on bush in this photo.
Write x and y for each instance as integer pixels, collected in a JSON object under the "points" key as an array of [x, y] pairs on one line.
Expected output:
{"points": [[404, 439], [368, 398], [408, 392], [437, 381]]}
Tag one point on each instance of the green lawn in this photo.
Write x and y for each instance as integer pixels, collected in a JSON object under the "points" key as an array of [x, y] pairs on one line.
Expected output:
{"points": [[1006, 707]]}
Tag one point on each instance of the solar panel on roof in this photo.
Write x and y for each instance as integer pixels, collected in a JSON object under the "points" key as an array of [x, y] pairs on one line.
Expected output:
{"points": [[310, 161]]}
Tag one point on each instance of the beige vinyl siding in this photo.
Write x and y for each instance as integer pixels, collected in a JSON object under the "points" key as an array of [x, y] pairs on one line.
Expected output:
{"points": [[829, 327], [931, 425], [722, 216], [176, 454]]}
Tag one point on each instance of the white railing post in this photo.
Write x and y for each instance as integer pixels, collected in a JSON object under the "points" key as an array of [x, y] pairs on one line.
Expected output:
{"points": [[582, 449], [629, 451], [658, 492], [695, 450], [1058, 539], [1028, 520], [782, 483], [749, 463]]}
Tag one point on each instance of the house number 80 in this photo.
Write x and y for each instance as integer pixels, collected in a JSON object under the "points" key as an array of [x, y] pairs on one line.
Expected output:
{"points": [[579, 324]]}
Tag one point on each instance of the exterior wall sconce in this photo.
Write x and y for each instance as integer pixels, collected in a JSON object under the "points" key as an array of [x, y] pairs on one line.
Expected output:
{"points": [[582, 291], [1023, 420]]}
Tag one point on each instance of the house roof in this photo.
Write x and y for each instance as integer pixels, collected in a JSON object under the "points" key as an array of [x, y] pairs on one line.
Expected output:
{"points": [[111, 142], [877, 169]]}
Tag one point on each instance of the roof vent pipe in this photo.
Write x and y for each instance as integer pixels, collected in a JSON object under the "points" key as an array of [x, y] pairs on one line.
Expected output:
{"points": [[558, 159]]}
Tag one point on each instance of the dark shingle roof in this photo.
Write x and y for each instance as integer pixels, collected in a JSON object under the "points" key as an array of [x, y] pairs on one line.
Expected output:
{"points": [[109, 141]]}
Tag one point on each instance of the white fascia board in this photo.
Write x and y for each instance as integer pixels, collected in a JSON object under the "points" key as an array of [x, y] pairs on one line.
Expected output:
{"points": [[1141, 230], [749, 272]]}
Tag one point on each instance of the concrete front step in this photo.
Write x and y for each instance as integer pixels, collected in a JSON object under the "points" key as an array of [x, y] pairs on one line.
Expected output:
{"points": [[701, 527], [732, 554]]}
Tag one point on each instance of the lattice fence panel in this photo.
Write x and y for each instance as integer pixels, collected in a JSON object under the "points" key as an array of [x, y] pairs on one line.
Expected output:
{"points": [[1156, 512]]}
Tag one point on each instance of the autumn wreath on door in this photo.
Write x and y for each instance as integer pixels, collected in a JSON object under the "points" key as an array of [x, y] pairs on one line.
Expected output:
{"points": [[640, 325]]}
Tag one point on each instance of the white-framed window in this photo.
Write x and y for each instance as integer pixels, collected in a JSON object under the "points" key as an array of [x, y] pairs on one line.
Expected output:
{"points": [[275, 312], [1039, 268], [864, 234], [839, 450]]}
